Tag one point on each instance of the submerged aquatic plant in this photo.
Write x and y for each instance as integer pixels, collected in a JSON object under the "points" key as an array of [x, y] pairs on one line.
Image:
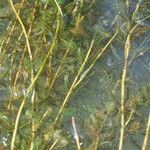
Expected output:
{"points": [[48, 52]]}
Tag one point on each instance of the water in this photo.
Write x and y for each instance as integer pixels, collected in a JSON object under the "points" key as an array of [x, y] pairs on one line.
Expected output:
{"points": [[97, 93], [100, 92]]}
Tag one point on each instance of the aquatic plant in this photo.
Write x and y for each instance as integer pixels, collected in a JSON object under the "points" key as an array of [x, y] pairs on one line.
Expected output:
{"points": [[49, 51]]}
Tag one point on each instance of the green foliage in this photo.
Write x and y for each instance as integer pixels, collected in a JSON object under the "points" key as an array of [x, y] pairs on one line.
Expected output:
{"points": [[49, 1], [42, 68]]}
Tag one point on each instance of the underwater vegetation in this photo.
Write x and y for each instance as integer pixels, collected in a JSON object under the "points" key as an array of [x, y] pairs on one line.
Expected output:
{"points": [[74, 74]]}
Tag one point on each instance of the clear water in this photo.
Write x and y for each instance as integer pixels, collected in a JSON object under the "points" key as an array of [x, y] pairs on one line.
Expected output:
{"points": [[96, 92]]}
